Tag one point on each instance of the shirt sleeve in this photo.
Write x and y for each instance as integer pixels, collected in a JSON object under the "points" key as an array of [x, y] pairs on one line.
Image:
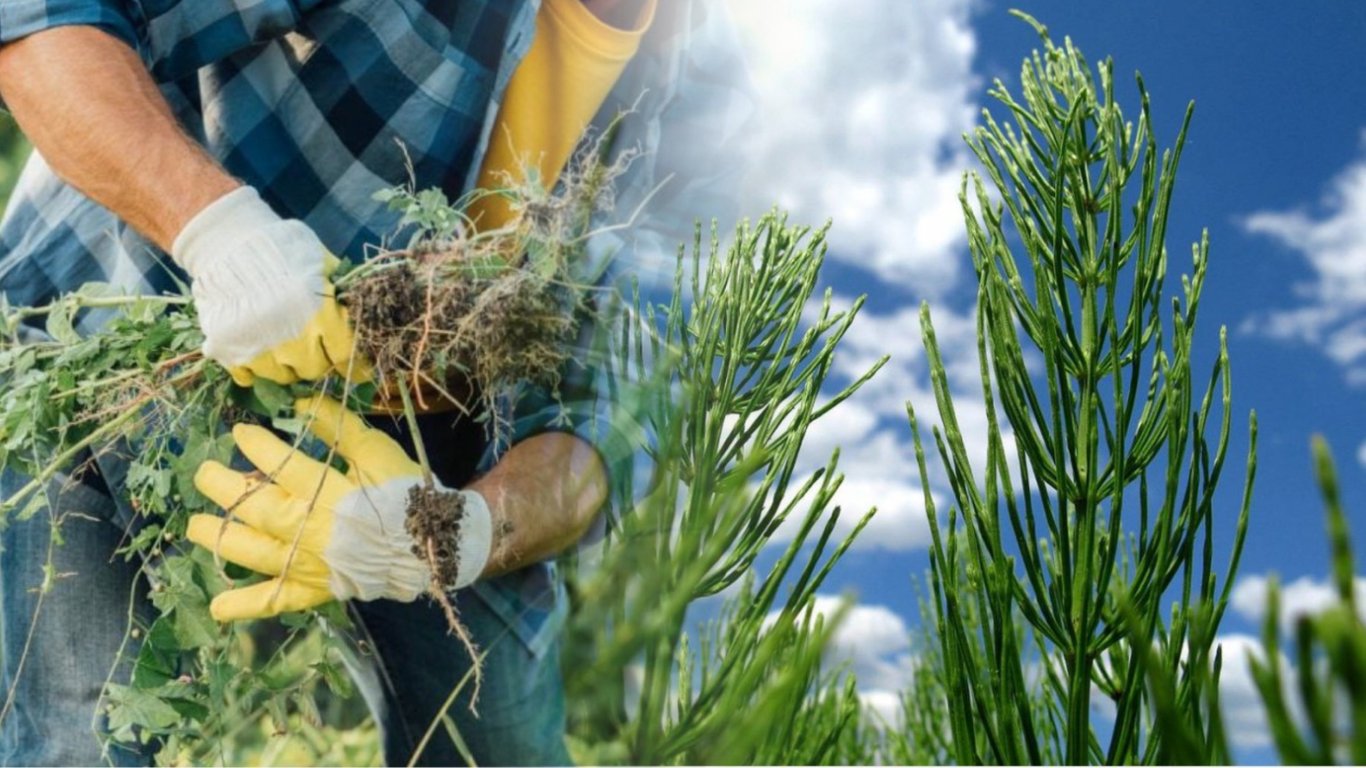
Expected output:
{"points": [[21, 18], [174, 37], [701, 160], [596, 403]]}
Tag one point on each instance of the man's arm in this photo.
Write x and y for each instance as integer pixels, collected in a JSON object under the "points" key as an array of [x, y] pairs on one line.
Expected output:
{"points": [[86, 101], [542, 495]]}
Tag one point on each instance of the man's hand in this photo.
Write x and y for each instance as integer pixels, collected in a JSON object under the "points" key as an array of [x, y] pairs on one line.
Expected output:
{"points": [[260, 286], [321, 534], [90, 107]]}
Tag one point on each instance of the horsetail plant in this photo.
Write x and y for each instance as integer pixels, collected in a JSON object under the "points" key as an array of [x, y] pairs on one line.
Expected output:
{"points": [[732, 381], [1105, 510], [1330, 650]]}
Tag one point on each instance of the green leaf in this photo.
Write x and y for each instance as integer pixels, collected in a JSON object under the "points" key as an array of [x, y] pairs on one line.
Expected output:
{"points": [[156, 663], [220, 675], [199, 448], [133, 713], [276, 399], [98, 290], [337, 680], [59, 323], [188, 708], [184, 601]]}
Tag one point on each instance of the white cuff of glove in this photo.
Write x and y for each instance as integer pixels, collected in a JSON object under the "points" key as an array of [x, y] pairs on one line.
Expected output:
{"points": [[476, 539], [371, 553], [239, 211], [257, 278]]}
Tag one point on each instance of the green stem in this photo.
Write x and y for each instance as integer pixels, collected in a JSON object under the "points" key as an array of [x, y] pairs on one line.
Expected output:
{"points": [[410, 414]]}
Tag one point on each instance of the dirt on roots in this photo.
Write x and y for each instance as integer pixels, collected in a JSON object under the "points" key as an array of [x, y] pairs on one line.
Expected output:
{"points": [[432, 319]]}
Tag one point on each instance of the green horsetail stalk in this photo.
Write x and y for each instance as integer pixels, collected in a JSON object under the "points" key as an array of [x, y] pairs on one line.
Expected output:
{"points": [[1330, 660], [729, 376], [1098, 531]]}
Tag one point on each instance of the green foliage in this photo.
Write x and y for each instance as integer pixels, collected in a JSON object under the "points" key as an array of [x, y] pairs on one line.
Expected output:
{"points": [[732, 384], [13, 153], [1114, 425], [140, 387], [1330, 659]]}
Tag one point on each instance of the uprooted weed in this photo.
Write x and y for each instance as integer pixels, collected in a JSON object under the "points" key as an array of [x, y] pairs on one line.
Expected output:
{"points": [[465, 332], [466, 316], [469, 314]]}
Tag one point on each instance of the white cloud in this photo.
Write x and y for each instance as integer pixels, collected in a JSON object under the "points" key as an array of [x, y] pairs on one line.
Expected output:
{"points": [[879, 471], [872, 640], [883, 707], [1302, 597], [1361, 455], [864, 103], [1331, 314], [1244, 716], [874, 644]]}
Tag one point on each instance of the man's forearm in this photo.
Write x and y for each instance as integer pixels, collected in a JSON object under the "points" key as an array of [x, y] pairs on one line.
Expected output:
{"points": [[543, 495], [92, 110]]}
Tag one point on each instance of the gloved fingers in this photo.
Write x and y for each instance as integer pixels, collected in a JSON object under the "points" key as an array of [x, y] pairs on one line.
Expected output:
{"points": [[268, 598], [299, 475], [330, 263], [338, 340], [267, 365], [374, 456], [303, 356], [242, 375], [240, 544], [257, 502]]}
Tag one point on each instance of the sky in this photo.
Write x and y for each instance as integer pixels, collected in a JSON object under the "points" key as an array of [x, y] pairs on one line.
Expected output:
{"points": [[865, 104]]}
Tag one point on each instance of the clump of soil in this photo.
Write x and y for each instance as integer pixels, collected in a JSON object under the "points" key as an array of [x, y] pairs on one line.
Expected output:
{"points": [[434, 521]]}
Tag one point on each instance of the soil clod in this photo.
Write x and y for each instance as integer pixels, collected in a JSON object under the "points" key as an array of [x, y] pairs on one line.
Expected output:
{"points": [[434, 521]]}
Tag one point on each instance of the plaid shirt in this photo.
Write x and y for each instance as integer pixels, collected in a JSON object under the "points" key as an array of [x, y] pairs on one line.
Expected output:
{"points": [[314, 102]]}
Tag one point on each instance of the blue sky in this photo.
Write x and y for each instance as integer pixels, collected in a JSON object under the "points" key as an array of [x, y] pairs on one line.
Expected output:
{"points": [[867, 100]]}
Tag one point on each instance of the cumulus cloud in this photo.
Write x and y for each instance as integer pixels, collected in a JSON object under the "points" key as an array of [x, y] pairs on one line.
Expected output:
{"points": [[1361, 455], [1331, 311], [864, 102], [873, 643], [1244, 716], [1304, 596], [879, 471]]}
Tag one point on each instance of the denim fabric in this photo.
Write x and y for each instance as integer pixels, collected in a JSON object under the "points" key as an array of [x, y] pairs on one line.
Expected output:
{"points": [[407, 664], [61, 645]]}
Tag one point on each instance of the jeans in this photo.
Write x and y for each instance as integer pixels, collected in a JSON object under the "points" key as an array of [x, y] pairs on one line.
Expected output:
{"points": [[59, 646]]}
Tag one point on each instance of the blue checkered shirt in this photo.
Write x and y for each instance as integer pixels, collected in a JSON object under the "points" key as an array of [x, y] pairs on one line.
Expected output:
{"points": [[314, 103]]}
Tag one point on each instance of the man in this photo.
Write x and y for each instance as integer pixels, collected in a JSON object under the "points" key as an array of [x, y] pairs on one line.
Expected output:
{"points": [[246, 140]]}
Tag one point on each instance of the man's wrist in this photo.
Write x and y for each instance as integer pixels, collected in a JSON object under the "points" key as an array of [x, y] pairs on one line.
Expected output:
{"points": [[205, 186]]}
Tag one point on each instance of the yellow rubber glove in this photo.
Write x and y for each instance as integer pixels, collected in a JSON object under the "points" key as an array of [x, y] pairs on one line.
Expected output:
{"points": [[346, 531], [325, 345], [261, 287]]}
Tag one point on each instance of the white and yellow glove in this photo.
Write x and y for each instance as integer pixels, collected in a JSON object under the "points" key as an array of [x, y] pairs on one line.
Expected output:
{"points": [[349, 528], [260, 284]]}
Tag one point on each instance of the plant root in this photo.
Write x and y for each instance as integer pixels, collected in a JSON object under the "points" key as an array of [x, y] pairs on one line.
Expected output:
{"points": [[434, 521], [464, 320]]}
